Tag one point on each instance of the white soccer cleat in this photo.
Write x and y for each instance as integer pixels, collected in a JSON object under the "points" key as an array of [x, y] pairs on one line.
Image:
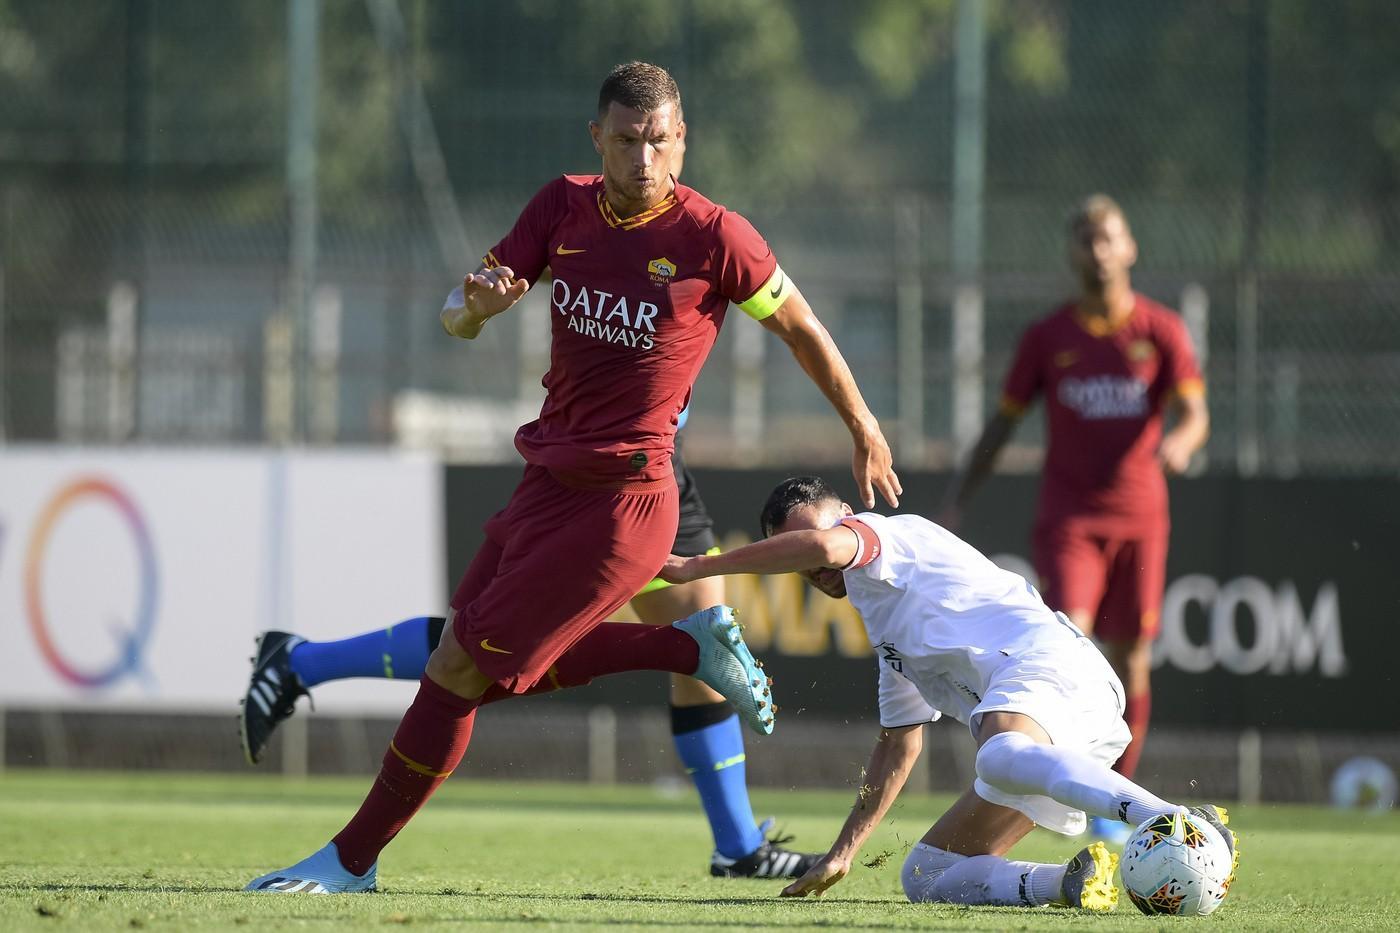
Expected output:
{"points": [[320, 873]]}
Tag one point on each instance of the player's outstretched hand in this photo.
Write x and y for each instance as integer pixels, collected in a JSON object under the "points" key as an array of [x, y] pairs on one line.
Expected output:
{"points": [[873, 466], [677, 569], [818, 878], [483, 295]]}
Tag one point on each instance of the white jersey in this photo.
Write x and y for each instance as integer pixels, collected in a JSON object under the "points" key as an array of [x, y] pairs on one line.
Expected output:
{"points": [[942, 617]]}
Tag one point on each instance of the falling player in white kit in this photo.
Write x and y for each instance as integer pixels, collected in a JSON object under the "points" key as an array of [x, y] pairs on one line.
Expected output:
{"points": [[956, 635]]}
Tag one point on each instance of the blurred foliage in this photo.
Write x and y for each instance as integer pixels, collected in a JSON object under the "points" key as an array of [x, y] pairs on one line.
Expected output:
{"points": [[786, 99]]}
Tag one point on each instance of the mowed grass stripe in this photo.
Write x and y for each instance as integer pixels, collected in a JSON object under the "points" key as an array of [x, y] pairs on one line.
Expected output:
{"points": [[160, 851]]}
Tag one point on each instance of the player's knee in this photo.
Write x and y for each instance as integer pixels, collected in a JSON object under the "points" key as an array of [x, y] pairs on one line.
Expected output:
{"points": [[451, 667], [922, 870], [997, 756]]}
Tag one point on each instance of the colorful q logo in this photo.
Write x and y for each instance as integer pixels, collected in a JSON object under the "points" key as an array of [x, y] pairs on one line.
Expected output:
{"points": [[130, 640]]}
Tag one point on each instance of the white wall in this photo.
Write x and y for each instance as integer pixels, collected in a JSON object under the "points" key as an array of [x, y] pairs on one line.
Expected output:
{"points": [[140, 578]]}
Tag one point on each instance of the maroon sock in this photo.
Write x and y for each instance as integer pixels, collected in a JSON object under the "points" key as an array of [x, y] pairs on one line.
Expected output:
{"points": [[612, 648], [429, 744], [615, 647], [1136, 712]]}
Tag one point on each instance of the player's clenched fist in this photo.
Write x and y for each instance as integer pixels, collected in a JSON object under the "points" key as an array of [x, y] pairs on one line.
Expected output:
{"points": [[818, 878], [483, 295]]}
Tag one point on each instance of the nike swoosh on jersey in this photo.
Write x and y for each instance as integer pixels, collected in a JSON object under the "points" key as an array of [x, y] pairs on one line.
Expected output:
{"points": [[486, 645], [778, 289], [561, 251]]}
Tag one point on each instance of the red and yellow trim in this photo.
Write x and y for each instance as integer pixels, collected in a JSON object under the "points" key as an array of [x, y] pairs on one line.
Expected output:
{"points": [[1011, 408], [1190, 388], [1099, 326], [416, 767], [636, 220]]}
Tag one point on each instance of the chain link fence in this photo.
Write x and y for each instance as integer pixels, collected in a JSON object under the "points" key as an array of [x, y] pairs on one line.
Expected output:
{"points": [[151, 289]]}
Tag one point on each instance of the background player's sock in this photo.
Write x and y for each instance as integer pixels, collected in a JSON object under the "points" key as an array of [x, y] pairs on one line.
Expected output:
{"points": [[399, 652], [429, 744], [1017, 764], [932, 875], [710, 744], [1136, 712]]}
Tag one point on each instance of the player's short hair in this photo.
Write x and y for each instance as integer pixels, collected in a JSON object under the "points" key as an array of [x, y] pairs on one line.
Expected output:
{"points": [[1095, 209], [792, 494], [641, 86]]}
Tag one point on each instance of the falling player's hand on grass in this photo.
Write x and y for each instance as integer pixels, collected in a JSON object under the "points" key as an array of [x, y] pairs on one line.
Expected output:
{"points": [[483, 295], [818, 878], [873, 465]]}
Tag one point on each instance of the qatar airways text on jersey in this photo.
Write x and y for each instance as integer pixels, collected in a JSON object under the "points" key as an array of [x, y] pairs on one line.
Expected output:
{"points": [[606, 316]]}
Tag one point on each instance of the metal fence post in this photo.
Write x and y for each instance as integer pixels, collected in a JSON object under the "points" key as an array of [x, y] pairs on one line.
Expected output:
{"points": [[602, 745], [969, 168]]}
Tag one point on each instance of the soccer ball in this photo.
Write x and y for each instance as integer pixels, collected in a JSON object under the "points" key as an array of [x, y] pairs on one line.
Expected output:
{"points": [[1364, 783], [1176, 863]]}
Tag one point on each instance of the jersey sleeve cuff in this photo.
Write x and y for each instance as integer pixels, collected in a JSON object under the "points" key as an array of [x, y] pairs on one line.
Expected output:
{"points": [[770, 296], [1011, 407], [867, 544], [1189, 388]]}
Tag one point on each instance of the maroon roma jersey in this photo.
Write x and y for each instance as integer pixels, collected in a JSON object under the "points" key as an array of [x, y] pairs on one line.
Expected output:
{"points": [[636, 304], [1105, 391]]}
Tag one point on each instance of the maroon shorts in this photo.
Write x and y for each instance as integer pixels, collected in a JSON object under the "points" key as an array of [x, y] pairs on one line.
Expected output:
{"points": [[1117, 580], [557, 560]]}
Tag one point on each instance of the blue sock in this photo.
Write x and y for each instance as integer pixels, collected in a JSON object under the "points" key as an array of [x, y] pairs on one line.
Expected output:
{"points": [[710, 744], [399, 652]]}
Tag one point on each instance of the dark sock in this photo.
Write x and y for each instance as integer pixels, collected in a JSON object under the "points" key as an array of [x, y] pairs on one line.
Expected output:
{"points": [[397, 652], [710, 744], [428, 746]]}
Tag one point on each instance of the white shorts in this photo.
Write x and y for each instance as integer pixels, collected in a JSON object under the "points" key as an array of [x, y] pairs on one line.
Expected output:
{"points": [[1074, 695]]}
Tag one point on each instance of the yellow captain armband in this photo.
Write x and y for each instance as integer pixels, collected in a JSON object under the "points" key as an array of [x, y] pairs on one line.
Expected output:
{"points": [[770, 297]]}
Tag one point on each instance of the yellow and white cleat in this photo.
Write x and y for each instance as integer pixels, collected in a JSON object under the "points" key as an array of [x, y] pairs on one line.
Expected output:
{"points": [[1088, 882]]}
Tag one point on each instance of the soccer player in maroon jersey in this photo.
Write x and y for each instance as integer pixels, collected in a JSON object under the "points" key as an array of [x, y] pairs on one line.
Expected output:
{"points": [[644, 270], [1109, 365]]}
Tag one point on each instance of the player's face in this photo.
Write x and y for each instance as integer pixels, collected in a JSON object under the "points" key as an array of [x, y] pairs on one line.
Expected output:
{"points": [[1102, 251], [829, 580], [640, 151]]}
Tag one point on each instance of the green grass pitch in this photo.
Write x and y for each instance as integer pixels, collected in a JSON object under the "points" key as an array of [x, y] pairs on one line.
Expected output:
{"points": [[88, 851]]}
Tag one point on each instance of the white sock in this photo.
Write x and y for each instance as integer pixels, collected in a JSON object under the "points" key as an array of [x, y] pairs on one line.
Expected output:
{"points": [[1014, 763], [932, 875]]}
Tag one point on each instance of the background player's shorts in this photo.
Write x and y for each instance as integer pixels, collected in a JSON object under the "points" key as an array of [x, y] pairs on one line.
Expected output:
{"points": [[695, 535], [1073, 694], [557, 561], [1118, 579]]}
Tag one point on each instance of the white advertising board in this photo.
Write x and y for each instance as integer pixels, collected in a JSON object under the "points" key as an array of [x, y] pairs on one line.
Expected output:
{"points": [[134, 579]]}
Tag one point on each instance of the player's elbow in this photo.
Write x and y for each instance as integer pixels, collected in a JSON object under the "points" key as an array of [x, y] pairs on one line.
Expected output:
{"points": [[835, 548]]}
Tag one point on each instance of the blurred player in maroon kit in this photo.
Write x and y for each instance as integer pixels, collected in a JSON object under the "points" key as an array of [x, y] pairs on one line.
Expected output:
{"points": [[1108, 365], [644, 270]]}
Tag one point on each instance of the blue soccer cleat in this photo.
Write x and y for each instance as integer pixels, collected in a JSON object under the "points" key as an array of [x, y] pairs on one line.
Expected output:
{"points": [[320, 873], [728, 667], [1110, 831]]}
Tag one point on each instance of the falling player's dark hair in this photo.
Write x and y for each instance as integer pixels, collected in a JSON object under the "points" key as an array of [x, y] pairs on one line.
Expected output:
{"points": [[641, 86], [792, 494]]}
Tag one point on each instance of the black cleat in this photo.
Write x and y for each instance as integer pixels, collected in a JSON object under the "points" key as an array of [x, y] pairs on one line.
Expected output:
{"points": [[1219, 818], [769, 860], [272, 692]]}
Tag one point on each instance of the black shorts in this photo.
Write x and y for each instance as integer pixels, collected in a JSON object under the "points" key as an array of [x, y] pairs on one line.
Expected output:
{"points": [[696, 532]]}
